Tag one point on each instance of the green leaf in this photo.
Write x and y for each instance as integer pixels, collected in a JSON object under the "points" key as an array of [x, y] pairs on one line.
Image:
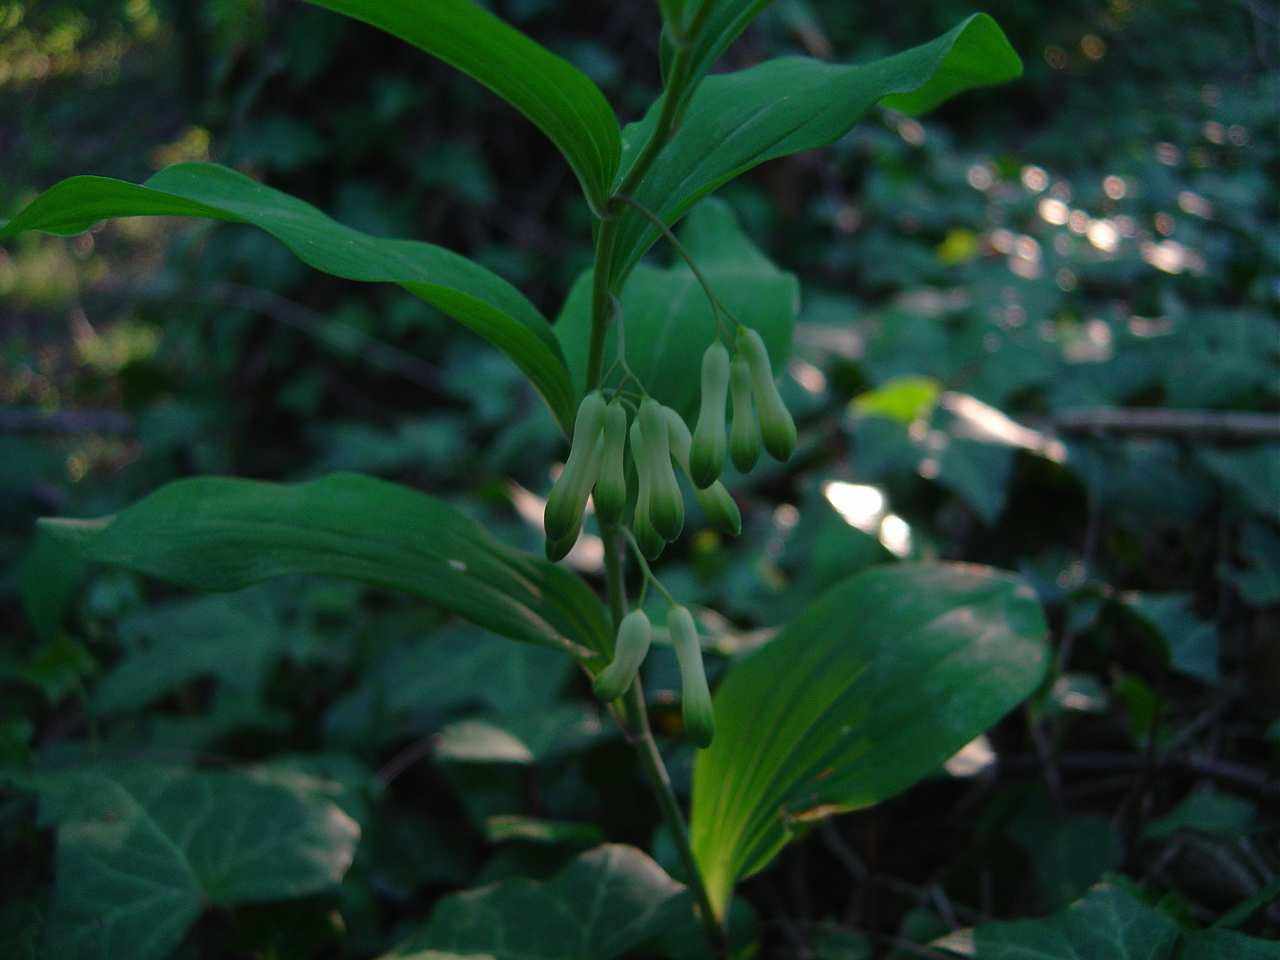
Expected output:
{"points": [[502, 828], [141, 853], [1227, 945], [878, 683], [1259, 580], [1109, 922], [464, 290], [904, 399], [1067, 854], [603, 904], [1251, 476], [1190, 643], [49, 576], [668, 321], [737, 121], [723, 22], [235, 639], [550, 91], [221, 534], [1208, 812], [449, 669]]}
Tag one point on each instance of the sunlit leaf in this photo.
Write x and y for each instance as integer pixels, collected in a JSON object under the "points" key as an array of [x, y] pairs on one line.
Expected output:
{"points": [[603, 904], [550, 91], [878, 683], [221, 534], [668, 319], [466, 291], [738, 121]]}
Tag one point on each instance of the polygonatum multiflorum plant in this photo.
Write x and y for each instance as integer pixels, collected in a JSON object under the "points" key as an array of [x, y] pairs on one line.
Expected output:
{"points": [[655, 375]]}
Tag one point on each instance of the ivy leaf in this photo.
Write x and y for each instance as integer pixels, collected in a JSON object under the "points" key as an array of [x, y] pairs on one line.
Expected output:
{"points": [[738, 121], [872, 688], [220, 534], [603, 904], [466, 291], [558, 97], [235, 639], [141, 853], [1110, 921], [667, 317]]}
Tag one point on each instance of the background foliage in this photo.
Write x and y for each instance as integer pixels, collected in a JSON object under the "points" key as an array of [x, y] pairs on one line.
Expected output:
{"points": [[1102, 233]]}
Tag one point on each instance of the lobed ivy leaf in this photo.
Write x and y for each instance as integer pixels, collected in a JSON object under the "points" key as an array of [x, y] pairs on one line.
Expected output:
{"points": [[667, 319], [1109, 921], [606, 902], [555, 95], [737, 121], [142, 852], [221, 534], [881, 680], [466, 291]]}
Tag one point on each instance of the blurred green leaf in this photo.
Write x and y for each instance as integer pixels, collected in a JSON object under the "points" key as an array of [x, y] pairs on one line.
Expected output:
{"points": [[903, 399], [464, 290], [737, 121], [49, 577], [603, 904], [141, 853], [550, 91], [881, 680], [1259, 580], [503, 828], [224, 534], [1111, 922], [668, 321], [1067, 854], [234, 638], [1207, 811], [1252, 476], [1227, 945], [1191, 644]]}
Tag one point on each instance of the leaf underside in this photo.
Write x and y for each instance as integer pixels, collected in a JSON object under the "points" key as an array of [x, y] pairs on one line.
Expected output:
{"points": [[873, 687]]}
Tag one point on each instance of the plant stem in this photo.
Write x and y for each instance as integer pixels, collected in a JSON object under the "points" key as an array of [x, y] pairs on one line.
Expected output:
{"points": [[671, 106], [632, 712], [601, 299], [634, 717], [640, 734]]}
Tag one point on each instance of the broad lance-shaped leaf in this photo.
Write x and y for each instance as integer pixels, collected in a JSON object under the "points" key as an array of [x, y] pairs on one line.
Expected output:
{"points": [[558, 97], [603, 904], [739, 120], [881, 680], [668, 319], [219, 534], [142, 852], [722, 22], [466, 291]]}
